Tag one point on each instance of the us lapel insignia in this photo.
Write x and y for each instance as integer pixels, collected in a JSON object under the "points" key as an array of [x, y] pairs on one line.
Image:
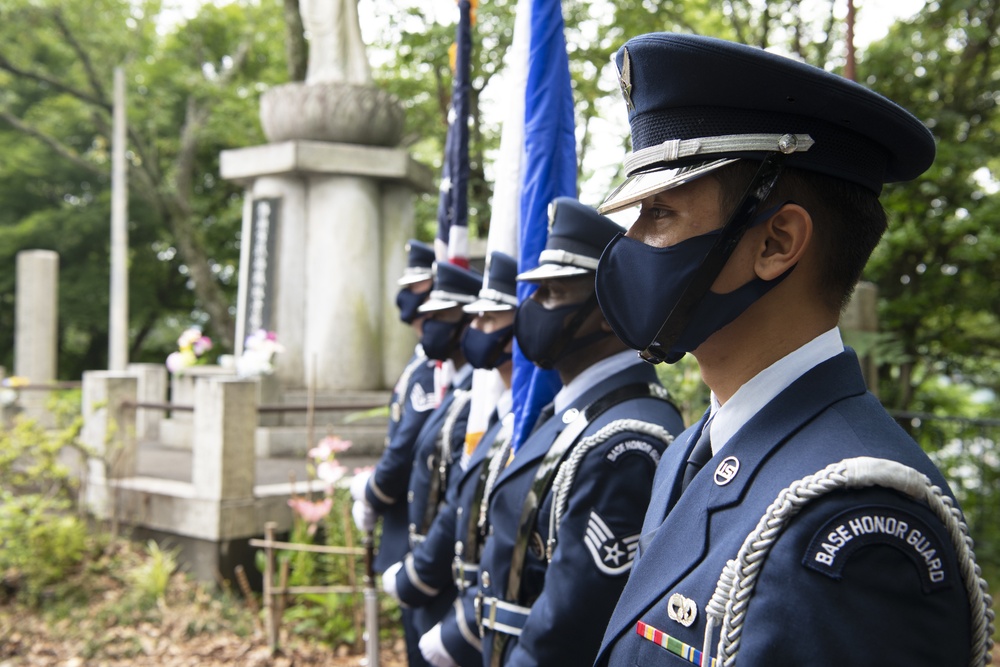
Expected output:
{"points": [[726, 472], [625, 80], [682, 609]]}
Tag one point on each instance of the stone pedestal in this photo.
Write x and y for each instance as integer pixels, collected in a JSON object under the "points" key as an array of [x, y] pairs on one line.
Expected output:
{"points": [[330, 221]]}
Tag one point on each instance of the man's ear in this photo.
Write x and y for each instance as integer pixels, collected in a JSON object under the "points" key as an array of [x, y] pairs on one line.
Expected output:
{"points": [[787, 236]]}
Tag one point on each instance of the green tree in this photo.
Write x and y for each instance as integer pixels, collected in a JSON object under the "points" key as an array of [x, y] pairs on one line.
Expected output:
{"points": [[936, 269], [191, 93]]}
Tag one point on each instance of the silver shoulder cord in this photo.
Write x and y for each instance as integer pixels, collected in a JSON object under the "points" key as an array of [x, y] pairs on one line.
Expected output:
{"points": [[739, 577], [497, 463], [462, 398], [563, 482]]}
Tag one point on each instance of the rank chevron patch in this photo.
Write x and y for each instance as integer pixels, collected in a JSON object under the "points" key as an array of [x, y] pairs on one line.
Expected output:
{"points": [[421, 399], [612, 554]]}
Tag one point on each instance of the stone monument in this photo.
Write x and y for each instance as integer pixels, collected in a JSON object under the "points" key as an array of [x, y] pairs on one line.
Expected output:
{"points": [[328, 207]]}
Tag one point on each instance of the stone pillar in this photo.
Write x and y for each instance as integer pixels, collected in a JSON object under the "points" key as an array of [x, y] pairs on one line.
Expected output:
{"points": [[37, 315], [398, 227], [343, 209], [36, 327], [344, 292], [225, 420], [109, 432], [175, 429], [151, 388], [286, 295]]}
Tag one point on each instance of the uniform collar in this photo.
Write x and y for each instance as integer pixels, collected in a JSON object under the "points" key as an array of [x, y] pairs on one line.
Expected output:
{"points": [[761, 389], [592, 375]]}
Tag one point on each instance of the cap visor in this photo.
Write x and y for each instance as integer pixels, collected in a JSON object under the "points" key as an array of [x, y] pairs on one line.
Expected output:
{"points": [[486, 306], [412, 278], [645, 183], [433, 305], [548, 271]]}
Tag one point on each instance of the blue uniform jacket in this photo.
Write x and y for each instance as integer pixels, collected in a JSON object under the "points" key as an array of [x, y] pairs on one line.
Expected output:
{"points": [[455, 406], [875, 606], [459, 629], [572, 597], [412, 402], [427, 580]]}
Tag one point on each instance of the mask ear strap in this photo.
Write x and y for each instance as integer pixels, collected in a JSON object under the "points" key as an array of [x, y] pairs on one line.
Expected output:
{"points": [[741, 219]]}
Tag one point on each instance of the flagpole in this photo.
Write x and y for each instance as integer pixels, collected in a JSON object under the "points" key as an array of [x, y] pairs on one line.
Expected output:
{"points": [[118, 306]]}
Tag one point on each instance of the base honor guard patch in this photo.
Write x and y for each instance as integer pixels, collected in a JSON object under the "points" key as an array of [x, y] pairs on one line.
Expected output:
{"points": [[840, 537]]}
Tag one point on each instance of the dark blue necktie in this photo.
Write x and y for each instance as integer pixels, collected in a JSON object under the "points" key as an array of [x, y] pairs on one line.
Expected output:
{"points": [[699, 455]]}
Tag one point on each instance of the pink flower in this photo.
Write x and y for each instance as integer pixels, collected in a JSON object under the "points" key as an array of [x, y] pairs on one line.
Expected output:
{"points": [[358, 471], [202, 345], [310, 511], [330, 472], [329, 446]]}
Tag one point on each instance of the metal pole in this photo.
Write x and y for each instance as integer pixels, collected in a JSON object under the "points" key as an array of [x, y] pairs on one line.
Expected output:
{"points": [[270, 622], [118, 315], [371, 602]]}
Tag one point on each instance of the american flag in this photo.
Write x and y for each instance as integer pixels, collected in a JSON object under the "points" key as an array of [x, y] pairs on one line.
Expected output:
{"points": [[452, 243]]}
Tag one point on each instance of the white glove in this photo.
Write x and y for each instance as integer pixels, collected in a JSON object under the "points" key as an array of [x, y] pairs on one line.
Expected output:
{"points": [[364, 515], [389, 579], [359, 483], [433, 649]]}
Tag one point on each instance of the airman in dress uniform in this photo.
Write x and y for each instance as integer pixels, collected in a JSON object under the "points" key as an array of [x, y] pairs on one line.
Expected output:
{"points": [[796, 523], [442, 437], [565, 509], [439, 567], [383, 491]]}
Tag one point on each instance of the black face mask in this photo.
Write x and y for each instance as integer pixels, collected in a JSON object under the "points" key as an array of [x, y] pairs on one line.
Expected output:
{"points": [[546, 338], [440, 339], [408, 301], [659, 300], [486, 350]]}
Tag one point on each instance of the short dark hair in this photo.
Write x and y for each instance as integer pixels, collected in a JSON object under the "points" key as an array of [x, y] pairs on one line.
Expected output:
{"points": [[849, 220]]}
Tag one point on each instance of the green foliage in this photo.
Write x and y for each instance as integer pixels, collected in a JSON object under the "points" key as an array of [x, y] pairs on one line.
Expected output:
{"points": [[687, 391], [150, 579], [192, 92], [41, 543], [936, 268], [42, 539]]}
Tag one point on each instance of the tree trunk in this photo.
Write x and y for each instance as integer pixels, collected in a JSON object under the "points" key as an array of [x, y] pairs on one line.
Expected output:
{"points": [[296, 49]]}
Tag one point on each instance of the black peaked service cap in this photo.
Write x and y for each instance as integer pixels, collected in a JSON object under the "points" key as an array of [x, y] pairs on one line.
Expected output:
{"points": [[697, 103]]}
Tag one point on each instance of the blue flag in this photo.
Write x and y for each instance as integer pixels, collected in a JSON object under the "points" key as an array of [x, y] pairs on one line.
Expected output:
{"points": [[549, 171], [452, 243]]}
